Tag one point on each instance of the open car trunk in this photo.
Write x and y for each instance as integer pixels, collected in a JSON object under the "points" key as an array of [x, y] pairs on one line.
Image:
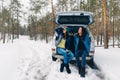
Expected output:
{"points": [[75, 17], [73, 20]]}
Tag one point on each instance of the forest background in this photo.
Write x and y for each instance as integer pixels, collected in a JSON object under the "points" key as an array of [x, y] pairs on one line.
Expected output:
{"points": [[37, 20]]}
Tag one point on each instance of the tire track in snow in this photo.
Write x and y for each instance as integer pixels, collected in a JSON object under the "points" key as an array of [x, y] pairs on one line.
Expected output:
{"points": [[35, 70], [38, 68]]}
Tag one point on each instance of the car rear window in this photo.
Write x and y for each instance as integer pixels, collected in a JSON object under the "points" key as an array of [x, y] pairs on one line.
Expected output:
{"points": [[73, 19]]}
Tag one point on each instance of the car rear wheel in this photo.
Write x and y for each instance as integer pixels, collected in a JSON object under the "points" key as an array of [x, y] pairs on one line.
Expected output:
{"points": [[54, 58], [92, 64]]}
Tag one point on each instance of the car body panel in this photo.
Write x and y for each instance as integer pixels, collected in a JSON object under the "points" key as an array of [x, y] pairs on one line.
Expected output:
{"points": [[74, 28]]}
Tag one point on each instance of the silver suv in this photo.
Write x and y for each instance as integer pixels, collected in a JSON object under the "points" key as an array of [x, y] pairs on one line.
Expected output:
{"points": [[73, 20]]}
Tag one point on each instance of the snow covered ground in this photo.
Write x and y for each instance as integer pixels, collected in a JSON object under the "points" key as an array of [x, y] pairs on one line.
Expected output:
{"points": [[29, 60]]}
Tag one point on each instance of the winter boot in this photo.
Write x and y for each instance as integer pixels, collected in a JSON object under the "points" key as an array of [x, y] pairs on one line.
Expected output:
{"points": [[82, 72], [62, 67], [79, 68], [67, 68]]}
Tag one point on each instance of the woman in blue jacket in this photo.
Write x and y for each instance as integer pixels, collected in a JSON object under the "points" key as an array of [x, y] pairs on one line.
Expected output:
{"points": [[62, 44], [82, 48]]}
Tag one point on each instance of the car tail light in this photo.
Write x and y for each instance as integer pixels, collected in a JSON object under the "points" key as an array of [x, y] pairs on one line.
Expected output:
{"points": [[53, 50], [92, 52]]}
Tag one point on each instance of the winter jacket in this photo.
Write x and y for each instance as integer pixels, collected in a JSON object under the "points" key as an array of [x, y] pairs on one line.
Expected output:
{"points": [[86, 42], [59, 31]]}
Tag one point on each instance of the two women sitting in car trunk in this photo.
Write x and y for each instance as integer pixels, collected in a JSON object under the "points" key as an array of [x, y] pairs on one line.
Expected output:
{"points": [[82, 49]]}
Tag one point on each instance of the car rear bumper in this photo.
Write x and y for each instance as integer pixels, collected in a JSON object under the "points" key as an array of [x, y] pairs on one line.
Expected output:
{"points": [[58, 56]]}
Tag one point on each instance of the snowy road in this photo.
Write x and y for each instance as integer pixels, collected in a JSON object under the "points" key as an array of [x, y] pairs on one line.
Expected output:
{"points": [[30, 60], [108, 61]]}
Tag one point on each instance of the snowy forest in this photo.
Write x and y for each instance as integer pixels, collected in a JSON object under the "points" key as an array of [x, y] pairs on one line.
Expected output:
{"points": [[27, 28], [40, 15]]}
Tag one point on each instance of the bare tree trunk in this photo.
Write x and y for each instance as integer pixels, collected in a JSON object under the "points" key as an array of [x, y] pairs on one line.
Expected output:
{"points": [[104, 9], [101, 34], [12, 22], [119, 37], [113, 31], [97, 26], [3, 21], [18, 30], [118, 28], [8, 30], [53, 17], [46, 35], [101, 39], [13, 28], [4, 36]]}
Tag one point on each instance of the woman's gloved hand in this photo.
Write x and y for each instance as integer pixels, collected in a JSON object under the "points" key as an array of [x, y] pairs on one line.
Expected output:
{"points": [[67, 51]]}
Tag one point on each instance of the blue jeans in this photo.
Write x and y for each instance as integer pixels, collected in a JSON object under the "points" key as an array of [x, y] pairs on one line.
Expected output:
{"points": [[67, 57], [83, 54]]}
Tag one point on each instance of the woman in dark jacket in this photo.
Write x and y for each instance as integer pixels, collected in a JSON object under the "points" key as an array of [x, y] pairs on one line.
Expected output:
{"points": [[82, 48], [62, 45]]}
